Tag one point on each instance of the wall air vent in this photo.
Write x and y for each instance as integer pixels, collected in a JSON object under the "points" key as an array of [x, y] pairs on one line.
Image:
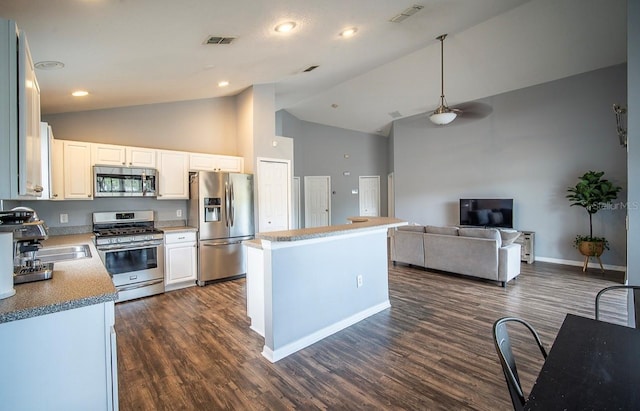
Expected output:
{"points": [[310, 68], [405, 14], [219, 40]]}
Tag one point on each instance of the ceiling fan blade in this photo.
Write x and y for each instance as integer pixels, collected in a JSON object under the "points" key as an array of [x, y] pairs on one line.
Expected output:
{"points": [[473, 110]]}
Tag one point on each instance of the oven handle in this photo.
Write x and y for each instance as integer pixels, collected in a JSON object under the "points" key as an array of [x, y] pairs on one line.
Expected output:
{"points": [[136, 286], [129, 246]]}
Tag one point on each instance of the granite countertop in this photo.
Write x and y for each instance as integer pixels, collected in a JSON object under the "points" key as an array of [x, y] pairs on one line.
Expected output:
{"points": [[358, 224], [75, 284]]}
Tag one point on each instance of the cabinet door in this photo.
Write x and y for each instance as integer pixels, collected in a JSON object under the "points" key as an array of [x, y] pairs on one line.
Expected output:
{"points": [[180, 262], [173, 175], [57, 170], [202, 162], [108, 155], [141, 157], [230, 163], [77, 171]]}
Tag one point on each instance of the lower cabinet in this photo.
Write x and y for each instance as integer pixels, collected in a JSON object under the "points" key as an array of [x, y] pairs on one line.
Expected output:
{"points": [[180, 264], [61, 361]]}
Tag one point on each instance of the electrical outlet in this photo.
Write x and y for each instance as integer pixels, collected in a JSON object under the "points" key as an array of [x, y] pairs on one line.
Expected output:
{"points": [[359, 281], [64, 218], [179, 213]]}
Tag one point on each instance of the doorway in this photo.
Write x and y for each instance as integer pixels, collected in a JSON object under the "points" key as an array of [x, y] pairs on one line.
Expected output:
{"points": [[369, 189], [317, 201], [274, 194]]}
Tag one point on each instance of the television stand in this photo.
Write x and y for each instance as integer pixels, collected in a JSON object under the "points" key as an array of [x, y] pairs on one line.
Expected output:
{"points": [[527, 241]]}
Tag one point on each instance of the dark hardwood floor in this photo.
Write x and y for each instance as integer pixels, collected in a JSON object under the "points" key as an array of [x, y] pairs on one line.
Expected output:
{"points": [[192, 349]]}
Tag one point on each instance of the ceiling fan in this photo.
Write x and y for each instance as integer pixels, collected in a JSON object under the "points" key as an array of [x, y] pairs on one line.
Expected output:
{"points": [[444, 114]]}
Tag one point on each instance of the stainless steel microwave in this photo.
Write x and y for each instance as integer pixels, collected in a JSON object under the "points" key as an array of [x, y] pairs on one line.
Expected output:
{"points": [[124, 182]]}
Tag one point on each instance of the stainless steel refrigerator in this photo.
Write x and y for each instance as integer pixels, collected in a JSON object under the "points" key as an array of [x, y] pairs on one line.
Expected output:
{"points": [[221, 207]]}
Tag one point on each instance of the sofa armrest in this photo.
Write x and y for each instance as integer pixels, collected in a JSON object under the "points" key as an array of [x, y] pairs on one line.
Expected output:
{"points": [[408, 248], [508, 262]]}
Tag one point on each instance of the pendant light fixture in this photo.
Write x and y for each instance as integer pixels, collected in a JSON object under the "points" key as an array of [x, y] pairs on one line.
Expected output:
{"points": [[443, 114]]}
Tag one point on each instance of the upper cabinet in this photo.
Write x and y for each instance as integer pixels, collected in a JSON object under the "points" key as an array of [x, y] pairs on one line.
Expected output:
{"points": [[20, 145], [113, 155], [214, 162], [77, 170], [173, 175]]}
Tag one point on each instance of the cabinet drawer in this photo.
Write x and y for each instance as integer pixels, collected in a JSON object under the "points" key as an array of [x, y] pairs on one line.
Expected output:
{"points": [[179, 237]]}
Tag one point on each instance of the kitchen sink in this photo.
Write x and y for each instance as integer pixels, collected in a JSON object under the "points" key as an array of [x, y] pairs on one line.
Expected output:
{"points": [[63, 253]]}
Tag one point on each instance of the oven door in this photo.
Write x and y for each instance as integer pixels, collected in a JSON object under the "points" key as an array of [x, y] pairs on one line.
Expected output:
{"points": [[136, 271]]}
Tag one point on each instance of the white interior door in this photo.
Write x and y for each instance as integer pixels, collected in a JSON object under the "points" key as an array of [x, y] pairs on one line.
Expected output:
{"points": [[391, 196], [296, 203], [274, 194], [369, 189], [317, 201]]}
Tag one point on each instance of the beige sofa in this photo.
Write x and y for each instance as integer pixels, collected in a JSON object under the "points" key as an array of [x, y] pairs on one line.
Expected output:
{"points": [[478, 252]]}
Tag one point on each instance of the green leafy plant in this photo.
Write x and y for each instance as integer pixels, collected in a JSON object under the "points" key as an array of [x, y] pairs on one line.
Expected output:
{"points": [[592, 192]]}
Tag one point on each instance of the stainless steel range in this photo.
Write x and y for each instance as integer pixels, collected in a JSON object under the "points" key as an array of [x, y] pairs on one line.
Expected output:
{"points": [[132, 250]]}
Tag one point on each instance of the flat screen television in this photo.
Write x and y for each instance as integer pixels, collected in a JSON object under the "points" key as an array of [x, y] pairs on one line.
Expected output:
{"points": [[486, 212]]}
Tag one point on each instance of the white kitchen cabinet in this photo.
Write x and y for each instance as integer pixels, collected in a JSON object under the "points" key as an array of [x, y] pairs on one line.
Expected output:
{"points": [[77, 170], [173, 175], [20, 145], [180, 256], [65, 360], [56, 187], [114, 155], [215, 162]]}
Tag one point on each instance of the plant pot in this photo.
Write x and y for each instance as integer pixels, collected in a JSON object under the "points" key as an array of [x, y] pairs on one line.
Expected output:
{"points": [[591, 248]]}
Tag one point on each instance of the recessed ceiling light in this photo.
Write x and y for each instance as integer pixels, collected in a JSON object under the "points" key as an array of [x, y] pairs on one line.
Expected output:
{"points": [[285, 27], [49, 65], [348, 32], [80, 93], [223, 83]]}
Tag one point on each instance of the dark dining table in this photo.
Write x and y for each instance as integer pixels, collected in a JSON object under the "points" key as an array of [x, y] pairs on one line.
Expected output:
{"points": [[592, 365]]}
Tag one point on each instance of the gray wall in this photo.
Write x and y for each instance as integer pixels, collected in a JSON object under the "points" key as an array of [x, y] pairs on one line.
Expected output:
{"points": [[633, 52], [534, 144], [201, 126], [320, 151]]}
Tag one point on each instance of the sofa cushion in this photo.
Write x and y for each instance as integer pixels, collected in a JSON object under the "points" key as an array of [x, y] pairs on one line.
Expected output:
{"points": [[432, 229], [413, 228], [509, 236], [477, 232]]}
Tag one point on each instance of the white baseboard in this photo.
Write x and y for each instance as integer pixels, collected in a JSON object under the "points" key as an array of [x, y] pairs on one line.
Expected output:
{"points": [[593, 263], [280, 353]]}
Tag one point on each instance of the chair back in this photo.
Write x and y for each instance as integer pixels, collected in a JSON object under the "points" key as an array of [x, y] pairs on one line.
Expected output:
{"points": [[507, 359], [636, 300]]}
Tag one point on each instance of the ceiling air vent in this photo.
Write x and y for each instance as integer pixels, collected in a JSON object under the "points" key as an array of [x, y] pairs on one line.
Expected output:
{"points": [[310, 68], [405, 14], [219, 40]]}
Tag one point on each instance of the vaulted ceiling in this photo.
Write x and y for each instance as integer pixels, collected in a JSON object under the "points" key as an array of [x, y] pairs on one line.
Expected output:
{"points": [[132, 52]]}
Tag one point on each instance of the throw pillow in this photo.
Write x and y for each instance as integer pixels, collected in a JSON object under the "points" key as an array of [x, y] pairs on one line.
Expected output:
{"points": [[489, 233], [432, 229], [509, 236]]}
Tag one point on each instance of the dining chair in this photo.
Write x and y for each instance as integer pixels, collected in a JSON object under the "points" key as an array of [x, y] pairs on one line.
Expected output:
{"points": [[507, 359], [636, 299]]}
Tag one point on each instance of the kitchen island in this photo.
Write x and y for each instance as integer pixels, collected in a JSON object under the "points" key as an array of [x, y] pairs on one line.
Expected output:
{"points": [[58, 341], [304, 285]]}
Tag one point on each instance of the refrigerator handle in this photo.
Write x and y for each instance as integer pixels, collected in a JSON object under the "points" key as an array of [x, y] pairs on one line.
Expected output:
{"points": [[227, 203], [232, 208]]}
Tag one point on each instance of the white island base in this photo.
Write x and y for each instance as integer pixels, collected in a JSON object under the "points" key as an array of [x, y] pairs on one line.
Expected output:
{"points": [[304, 285]]}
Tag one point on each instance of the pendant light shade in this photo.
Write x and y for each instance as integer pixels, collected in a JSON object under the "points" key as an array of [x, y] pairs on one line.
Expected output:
{"points": [[442, 115]]}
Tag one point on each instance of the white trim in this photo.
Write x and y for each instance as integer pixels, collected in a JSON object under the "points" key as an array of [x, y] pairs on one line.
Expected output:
{"points": [[316, 336], [591, 264]]}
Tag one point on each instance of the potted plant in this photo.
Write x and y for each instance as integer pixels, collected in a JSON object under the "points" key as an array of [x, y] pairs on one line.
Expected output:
{"points": [[592, 192]]}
